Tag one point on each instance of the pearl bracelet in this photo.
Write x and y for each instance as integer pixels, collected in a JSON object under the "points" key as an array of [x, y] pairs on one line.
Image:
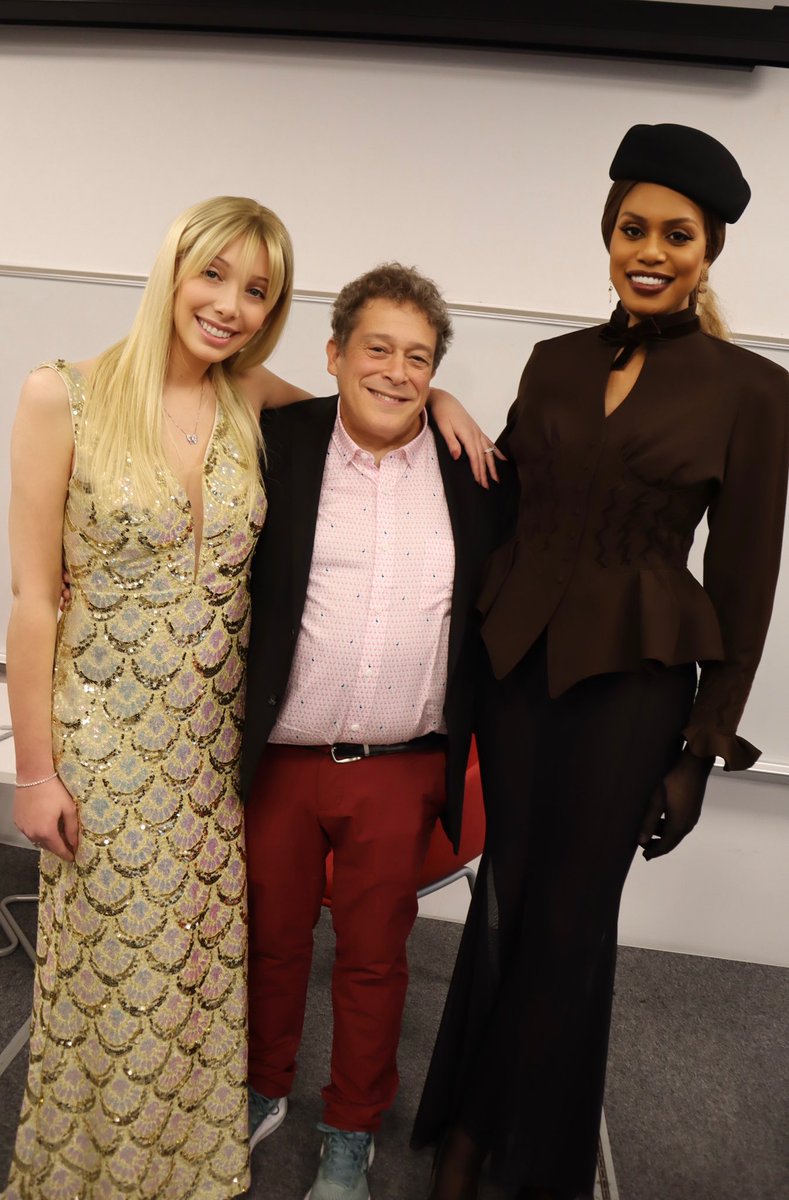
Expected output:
{"points": [[36, 782]]}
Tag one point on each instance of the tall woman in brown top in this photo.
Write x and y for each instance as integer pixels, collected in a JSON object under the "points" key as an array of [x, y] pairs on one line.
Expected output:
{"points": [[594, 734]]}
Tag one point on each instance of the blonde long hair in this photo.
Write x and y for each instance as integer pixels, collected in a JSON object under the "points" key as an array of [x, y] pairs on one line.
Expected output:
{"points": [[122, 413], [707, 306]]}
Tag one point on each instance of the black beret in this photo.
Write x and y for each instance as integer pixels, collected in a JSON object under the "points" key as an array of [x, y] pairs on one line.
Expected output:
{"points": [[687, 161]]}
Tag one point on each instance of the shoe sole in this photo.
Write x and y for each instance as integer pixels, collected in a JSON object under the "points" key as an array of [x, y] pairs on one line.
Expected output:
{"points": [[369, 1164], [265, 1130], [309, 1194]]}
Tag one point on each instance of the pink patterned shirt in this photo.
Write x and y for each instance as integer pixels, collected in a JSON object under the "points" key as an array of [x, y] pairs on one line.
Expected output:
{"points": [[371, 658]]}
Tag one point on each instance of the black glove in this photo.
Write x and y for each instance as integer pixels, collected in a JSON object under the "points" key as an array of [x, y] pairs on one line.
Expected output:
{"points": [[675, 806]]}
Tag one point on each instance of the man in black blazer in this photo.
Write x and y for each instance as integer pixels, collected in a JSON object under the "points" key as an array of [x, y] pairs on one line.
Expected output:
{"points": [[360, 681]]}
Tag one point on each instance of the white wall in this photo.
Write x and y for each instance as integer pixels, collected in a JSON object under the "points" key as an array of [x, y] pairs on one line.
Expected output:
{"points": [[487, 170]]}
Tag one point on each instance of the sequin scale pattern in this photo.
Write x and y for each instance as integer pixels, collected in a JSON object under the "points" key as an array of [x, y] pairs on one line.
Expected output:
{"points": [[137, 1072]]}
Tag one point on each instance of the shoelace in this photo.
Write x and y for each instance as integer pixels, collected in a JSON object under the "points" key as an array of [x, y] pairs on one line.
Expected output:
{"points": [[344, 1154]]}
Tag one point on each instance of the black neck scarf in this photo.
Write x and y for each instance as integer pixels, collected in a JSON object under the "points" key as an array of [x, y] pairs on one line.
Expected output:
{"points": [[629, 337]]}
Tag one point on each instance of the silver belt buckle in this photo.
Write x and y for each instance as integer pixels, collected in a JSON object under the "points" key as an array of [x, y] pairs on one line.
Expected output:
{"points": [[349, 759]]}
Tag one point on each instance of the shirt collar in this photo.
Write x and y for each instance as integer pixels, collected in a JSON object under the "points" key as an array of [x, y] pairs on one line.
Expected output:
{"points": [[350, 451]]}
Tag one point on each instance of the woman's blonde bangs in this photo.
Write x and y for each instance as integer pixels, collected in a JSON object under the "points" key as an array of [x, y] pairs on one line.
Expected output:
{"points": [[220, 222], [214, 225], [123, 407]]}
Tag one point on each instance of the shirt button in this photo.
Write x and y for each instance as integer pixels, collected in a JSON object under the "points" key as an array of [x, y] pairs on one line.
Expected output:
{"points": [[354, 727]]}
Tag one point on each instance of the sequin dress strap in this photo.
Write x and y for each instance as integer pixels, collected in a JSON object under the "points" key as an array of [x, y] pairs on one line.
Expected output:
{"points": [[75, 386]]}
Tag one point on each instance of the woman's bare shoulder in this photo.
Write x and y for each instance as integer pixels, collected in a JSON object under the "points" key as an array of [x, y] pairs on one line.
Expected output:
{"points": [[43, 392], [45, 386], [42, 425]]}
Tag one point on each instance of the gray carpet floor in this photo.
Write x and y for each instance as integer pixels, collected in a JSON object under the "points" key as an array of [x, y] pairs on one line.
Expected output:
{"points": [[697, 1101]]}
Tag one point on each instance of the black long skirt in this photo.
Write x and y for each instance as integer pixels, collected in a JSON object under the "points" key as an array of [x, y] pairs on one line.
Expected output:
{"points": [[519, 1062]]}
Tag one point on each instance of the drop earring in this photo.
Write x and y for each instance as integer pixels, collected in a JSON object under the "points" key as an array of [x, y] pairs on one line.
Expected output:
{"points": [[610, 293]]}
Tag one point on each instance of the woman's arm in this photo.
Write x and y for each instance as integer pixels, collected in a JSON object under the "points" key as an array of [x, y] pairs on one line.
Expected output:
{"points": [[264, 389], [41, 453], [741, 561], [461, 432], [746, 526]]}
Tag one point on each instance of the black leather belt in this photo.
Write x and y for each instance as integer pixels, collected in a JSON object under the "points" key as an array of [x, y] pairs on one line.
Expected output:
{"points": [[348, 752]]}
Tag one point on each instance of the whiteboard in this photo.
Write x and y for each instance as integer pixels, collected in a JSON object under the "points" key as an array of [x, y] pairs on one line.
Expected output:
{"points": [[53, 316]]}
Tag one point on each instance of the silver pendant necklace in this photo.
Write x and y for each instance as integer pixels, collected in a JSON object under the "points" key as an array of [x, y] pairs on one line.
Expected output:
{"points": [[192, 437]]}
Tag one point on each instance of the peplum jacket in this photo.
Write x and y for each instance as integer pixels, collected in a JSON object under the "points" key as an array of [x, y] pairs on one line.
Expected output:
{"points": [[609, 507]]}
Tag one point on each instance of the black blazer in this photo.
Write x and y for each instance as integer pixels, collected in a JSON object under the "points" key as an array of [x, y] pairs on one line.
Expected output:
{"points": [[297, 440]]}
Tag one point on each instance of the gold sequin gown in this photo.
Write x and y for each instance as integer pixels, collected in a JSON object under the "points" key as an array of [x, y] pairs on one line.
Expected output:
{"points": [[137, 1074]]}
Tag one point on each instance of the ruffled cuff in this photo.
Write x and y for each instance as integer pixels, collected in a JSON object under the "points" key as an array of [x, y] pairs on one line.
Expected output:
{"points": [[737, 754]]}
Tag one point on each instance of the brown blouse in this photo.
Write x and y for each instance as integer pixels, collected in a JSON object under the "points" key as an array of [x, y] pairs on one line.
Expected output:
{"points": [[608, 510]]}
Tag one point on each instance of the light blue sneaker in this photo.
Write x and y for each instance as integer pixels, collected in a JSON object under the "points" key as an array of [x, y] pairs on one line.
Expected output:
{"points": [[342, 1174], [264, 1116]]}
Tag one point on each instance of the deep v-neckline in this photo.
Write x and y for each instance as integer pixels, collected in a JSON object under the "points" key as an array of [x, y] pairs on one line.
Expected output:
{"points": [[200, 476]]}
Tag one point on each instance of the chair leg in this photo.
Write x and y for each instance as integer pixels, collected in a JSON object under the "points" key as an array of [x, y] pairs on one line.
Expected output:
{"points": [[17, 937], [12, 929], [463, 873], [13, 940], [18, 1041]]}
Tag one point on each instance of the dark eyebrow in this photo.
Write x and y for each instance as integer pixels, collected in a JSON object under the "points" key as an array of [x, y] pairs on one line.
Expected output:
{"points": [[687, 220], [387, 337], [224, 263]]}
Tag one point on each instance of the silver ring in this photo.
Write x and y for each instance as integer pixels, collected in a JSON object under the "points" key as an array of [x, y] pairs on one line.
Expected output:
{"points": [[489, 450]]}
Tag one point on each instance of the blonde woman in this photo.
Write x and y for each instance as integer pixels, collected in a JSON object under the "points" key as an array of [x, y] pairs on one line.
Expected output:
{"points": [[139, 469]]}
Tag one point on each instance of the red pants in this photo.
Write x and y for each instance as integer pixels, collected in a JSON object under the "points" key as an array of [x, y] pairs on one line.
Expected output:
{"points": [[376, 816]]}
